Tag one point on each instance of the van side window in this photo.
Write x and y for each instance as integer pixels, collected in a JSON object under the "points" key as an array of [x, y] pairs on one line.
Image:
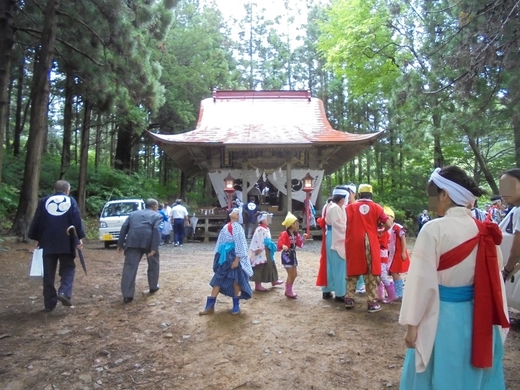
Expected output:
{"points": [[120, 209]]}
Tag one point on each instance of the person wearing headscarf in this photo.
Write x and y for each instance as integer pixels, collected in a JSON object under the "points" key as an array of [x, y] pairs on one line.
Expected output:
{"points": [[231, 266], [454, 304], [261, 253], [287, 242], [362, 246], [336, 224]]}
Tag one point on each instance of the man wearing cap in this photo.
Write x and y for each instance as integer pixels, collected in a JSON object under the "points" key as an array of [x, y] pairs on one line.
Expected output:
{"points": [[179, 216], [362, 246], [336, 223]]}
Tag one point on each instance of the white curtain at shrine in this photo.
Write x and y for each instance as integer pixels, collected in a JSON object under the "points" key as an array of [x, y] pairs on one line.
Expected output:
{"points": [[248, 177], [279, 180]]}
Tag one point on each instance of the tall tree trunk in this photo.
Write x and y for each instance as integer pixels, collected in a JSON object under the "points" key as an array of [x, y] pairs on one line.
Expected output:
{"points": [[98, 142], [76, 127], [7, 10], [67, 123], [360, 169], [8, 116], [391, 143], [184, 182], [38, 124], [112, 143], [438, 157], [18, 126], [123, 157], [483, 166], [515, 119], [19, 130], [83, 159]]}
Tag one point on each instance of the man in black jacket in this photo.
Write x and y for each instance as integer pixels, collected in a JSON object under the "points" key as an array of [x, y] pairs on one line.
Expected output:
{"points": [[54, 214], [140, 235]]}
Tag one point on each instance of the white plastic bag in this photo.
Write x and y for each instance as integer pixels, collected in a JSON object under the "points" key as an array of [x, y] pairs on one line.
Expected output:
{"points": [[37, 263]]}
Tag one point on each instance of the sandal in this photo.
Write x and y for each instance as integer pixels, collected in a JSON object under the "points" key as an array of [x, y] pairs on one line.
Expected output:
{"points": [[349, 303], [374, 307]]}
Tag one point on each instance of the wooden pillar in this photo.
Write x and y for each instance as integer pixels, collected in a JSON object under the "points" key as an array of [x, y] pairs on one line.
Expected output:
{"points": [[289, 187], [319, 199], [245, 187]]}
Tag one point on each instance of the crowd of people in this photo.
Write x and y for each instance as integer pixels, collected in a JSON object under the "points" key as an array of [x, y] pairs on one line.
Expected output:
{"points": [[454, 305]]}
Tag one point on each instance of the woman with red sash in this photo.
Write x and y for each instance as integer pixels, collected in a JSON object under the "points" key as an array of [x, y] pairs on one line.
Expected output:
{"points": [[454, 302]]}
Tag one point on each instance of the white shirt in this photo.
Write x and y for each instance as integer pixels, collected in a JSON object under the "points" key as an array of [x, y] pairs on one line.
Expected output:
{"points": [[337, 218], [179, 211], [421, 301], [507, 238]]}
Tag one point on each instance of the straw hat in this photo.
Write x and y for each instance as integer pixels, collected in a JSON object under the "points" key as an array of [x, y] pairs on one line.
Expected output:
{"points": [[289, 220]]}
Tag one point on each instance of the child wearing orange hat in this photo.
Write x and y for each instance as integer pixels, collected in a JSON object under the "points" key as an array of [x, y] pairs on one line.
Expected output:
{"points": [[287, 242]]}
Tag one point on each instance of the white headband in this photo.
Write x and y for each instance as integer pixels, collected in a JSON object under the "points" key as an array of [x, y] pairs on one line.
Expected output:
{"points": [[339, 191], [458, 194], [262, 216], [352, 188]]}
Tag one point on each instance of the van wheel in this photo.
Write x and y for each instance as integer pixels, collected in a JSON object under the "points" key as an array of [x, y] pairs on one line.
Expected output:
{"points": [[107, 244]]}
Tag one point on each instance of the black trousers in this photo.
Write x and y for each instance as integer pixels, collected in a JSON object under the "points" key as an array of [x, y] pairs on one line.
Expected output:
{"points": [[67, 270]]}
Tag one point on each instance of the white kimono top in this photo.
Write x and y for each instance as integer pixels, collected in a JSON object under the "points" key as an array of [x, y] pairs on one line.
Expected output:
{"points": [[337, 218], [421, 301], [257, 242]]}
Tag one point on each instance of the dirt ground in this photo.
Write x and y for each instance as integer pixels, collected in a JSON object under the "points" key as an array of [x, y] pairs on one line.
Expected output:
{"points": [[160, 342]]}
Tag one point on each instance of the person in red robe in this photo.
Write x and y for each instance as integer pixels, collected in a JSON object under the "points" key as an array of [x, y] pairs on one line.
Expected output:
{"points": [[362, 246]]}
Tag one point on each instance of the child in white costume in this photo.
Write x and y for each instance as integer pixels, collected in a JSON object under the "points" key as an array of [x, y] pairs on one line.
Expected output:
{"points": [[261, 254]]}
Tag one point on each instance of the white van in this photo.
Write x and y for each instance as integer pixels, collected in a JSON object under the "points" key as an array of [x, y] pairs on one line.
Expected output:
{"points": [[112, 217]]}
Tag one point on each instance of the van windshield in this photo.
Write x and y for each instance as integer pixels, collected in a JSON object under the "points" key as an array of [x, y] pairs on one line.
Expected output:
{"points": [[119, 209]]}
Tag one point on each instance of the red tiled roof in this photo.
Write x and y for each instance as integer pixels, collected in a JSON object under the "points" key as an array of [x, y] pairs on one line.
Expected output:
{"points": [[260, 119]]}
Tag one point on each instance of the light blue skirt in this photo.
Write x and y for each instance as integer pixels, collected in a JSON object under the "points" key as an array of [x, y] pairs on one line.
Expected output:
{"points": [[336, 270], [450, 366]]}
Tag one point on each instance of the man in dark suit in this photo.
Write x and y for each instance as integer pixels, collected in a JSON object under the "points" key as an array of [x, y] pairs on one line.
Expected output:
{"points": [[54, 215], [140, 235]]}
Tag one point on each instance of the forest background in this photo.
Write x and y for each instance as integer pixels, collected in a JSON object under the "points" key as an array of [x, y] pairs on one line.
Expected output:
{"points": [[81, 82]]}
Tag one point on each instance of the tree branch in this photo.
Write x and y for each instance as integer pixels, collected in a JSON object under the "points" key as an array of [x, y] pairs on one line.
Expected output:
{"points": [[37, 33], [83, 24]]}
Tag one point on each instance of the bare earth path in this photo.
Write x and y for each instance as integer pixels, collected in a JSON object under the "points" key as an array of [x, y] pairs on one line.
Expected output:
{"points": [[160, 342]]}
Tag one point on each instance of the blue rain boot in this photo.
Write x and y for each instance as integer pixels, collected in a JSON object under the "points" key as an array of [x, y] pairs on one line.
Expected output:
{"points": [[398, 284], [236, 306], [210, 306]]}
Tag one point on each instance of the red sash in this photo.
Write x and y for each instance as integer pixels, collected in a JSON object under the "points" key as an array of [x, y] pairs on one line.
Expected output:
{"points": [[488, 307], [321, 280]]}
